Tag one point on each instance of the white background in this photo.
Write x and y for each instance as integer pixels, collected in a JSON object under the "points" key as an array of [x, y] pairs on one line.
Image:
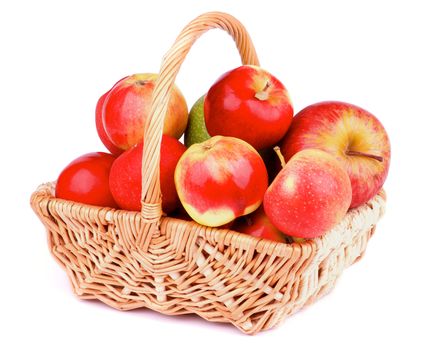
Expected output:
{"points": [[58, 57]]}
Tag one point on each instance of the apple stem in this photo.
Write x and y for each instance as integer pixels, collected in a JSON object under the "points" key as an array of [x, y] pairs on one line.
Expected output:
{"points": [[362, 154], [263, 94], [267, 85], [280, 156]]}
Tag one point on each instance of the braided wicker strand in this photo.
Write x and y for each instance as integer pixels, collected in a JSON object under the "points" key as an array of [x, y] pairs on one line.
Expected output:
{"points": [[171, 64], [220, 275]]}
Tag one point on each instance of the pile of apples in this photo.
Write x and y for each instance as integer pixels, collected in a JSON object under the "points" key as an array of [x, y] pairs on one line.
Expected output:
{"points": [[247, 163]]}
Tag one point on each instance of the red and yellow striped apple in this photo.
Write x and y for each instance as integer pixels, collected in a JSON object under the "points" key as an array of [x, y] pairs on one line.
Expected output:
{"points": [[309, 196], [220, 179], [127, 105], [100, 127], [181, 213], [352, 135], [248, 103], [258, 225]]}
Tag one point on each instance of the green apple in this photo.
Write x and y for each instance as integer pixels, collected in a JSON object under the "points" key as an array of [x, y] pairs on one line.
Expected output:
{"points": [[196, 131]]}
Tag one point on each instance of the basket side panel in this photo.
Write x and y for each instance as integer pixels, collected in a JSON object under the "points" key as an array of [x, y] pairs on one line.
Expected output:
{"points": [[339, 249], [220, 275]]}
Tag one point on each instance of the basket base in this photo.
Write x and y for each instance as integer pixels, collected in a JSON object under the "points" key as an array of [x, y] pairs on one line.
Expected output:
{"points": [[220, 275]]}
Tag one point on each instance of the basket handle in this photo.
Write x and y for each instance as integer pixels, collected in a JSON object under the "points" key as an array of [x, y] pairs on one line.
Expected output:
{"points": [[151, 194]]}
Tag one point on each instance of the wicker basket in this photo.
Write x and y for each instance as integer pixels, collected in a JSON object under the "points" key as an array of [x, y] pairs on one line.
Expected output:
{"points": [[130, 260]]}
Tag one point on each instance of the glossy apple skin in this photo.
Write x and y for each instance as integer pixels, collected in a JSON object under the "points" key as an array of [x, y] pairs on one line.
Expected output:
{"points": [[220, 179], [127, 106], [257, 224], [100, 127], [86, 180], [126, 175], [336, 127], [231, 107], [309, 196]]}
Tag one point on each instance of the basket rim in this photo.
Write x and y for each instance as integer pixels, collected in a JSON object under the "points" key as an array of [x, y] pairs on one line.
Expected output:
{"points": [[43, 198]]}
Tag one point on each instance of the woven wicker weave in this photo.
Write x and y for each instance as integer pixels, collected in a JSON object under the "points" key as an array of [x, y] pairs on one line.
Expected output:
{"points": [[130, 260]]}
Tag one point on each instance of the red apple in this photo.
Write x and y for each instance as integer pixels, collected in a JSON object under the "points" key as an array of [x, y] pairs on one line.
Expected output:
{"points": [[352, 135], [86, 180], [126, 175], [220, 179], [127, 106], [100, 127], [258, 225], [309, 196], [248, 103]]}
